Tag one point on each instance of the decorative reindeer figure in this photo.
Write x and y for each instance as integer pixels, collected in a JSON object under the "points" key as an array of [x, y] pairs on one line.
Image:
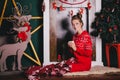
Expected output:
{"points": [[24, 36]]}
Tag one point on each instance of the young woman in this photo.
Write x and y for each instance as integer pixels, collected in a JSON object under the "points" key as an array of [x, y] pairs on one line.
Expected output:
{"points": [[80, 46]]}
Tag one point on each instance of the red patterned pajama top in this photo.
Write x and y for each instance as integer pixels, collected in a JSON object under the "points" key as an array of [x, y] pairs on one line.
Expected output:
{"points": [[83, 53]]}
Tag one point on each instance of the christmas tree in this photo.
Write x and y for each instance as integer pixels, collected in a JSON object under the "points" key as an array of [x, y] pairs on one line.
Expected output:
{"points": [[107, 22]]}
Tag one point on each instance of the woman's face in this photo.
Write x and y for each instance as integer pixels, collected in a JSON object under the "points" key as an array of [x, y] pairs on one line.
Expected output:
{"points": [[76, 25]]}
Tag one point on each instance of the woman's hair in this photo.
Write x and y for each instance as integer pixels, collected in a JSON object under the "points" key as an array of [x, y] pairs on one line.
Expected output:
{"points": [[78, 16]]}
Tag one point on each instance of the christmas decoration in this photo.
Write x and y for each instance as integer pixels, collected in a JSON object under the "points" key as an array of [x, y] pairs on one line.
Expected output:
{"points": [[21, 10], [59, 57], [107, 23], [22, 35], [81, 10], [54, 5], [89, 5], [61, 8], [71, 12]]}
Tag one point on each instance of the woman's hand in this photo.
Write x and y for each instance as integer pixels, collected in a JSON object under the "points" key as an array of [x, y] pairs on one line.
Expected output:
{"points": [[72, 45]]}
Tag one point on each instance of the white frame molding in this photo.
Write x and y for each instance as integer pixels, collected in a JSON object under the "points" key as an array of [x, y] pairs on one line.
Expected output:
{"points": [[98, 41], [46, 23]]}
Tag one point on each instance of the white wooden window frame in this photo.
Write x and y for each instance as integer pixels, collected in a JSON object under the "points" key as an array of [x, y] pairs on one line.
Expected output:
{"points": [[46, 54]]}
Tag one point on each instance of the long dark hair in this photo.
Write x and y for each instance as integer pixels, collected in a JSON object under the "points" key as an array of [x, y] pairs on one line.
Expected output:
{"points": [[78, 16]]}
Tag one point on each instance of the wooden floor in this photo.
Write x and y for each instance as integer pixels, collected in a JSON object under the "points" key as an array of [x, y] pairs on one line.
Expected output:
{"points": [[21, 76]]}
